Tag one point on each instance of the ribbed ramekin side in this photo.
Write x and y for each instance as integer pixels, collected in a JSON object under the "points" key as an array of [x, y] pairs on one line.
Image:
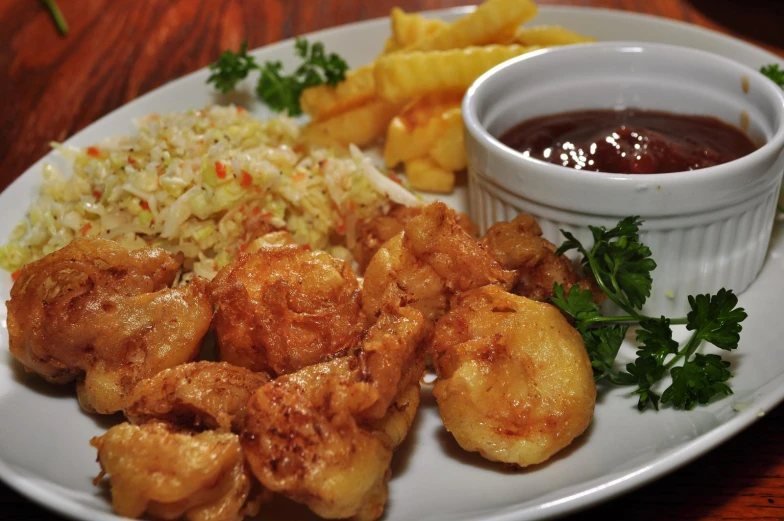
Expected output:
{"points": [[726, 252]]}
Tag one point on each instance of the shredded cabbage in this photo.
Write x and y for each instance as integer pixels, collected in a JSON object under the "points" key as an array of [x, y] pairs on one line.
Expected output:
{"points": [[204, 182]]}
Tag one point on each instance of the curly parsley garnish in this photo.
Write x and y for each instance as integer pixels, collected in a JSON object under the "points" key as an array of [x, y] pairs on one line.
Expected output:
{"points": [[622, 267], [278, 90], [775, 73]]}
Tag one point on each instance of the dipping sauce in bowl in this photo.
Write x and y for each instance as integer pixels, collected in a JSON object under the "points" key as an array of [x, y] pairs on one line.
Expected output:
{"points": [[631, 141]]}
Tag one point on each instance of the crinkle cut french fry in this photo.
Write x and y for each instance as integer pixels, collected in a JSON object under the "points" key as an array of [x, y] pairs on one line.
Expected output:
{"points": [[324, 101], [429, 106], [481, 27], [425, 175], [390, 45], [360, 126], [410, 28], [549, 35], [416, 129], [404, 76], [448, 151]]}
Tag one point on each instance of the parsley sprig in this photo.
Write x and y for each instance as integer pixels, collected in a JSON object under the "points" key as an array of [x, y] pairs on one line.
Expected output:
{"points": [[278, 90], [775, 73], [621, 265]]}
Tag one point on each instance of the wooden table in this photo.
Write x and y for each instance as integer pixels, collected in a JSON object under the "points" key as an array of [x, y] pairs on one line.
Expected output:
{"points": [[50, 87]]}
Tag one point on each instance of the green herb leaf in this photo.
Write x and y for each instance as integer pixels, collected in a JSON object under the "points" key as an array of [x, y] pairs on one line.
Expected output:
{"points": [[603, 345], [644, 373], [655, 339], [623, 262], [319, 68], [628, 227], [231, 68], [698, 381], [716, 319], [576, 304], [278, 90], [656, 344], [571, 243], [775, 73], [622, 266]]}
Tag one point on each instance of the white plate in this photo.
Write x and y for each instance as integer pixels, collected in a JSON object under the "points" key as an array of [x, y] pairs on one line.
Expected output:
{"points": [[44, 452]]}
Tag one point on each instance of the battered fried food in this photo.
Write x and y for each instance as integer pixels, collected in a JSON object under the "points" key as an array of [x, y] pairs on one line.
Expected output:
{"points": [[171, 475], [104, 316], [324, 435], [393, 428], [374, 232], [196, 396], [514, 380], [427, 263], [284, 308], [519, 246]]}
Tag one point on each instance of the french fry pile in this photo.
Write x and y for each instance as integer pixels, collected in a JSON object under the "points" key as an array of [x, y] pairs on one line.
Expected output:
{"points": [[412, 92]]}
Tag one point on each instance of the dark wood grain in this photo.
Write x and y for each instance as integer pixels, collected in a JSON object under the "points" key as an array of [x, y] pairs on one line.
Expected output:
{"points": [[50, 87]]}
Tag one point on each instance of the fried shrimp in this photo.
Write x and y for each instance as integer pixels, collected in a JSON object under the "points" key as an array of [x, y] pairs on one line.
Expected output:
{"points": [[423, 266], [519, 246], [104, 316], [168, 474], [285, 307], [324, 435], [514, 380], [198, 395], [374, 232]]}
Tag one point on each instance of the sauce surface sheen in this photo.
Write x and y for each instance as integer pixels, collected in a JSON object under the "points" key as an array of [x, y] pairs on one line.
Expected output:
{"points": [[630, 141]]}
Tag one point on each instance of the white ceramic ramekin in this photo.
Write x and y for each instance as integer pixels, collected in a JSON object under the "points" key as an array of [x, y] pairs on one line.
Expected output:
{"points": [[707, 229]]}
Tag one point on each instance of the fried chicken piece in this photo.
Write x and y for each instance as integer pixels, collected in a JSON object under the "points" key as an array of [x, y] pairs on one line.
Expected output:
{"points": [[196, 396], [104, 316], [427, 263], [171, 475], [519, 246], [514, 379], [324, 435], [284, 308], [374, 232]]}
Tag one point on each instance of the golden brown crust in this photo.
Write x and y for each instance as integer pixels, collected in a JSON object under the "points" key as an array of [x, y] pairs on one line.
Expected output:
{"points": [[427, 263], [303, 441], [374, 232], [105, 316], [514, 380], [324, 435], [169, 474], [284, 308], [198, 395], [519, 246]]}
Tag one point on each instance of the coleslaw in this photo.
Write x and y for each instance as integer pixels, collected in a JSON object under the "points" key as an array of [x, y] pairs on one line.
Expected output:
{"points": [[206, 183]]}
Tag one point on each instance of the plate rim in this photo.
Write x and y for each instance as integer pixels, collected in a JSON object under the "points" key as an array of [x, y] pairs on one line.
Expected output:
{"points": [[593, 492]]}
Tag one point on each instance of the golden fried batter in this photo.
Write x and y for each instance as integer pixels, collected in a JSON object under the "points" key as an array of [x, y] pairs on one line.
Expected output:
{"points": [[198, 395], [391, 358], [374, 232], [324, 435], [171, 475], [519, 246], [100, 314], [426, 264], [285, 307], [514, 380], [393, 428], [276, 238]]}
